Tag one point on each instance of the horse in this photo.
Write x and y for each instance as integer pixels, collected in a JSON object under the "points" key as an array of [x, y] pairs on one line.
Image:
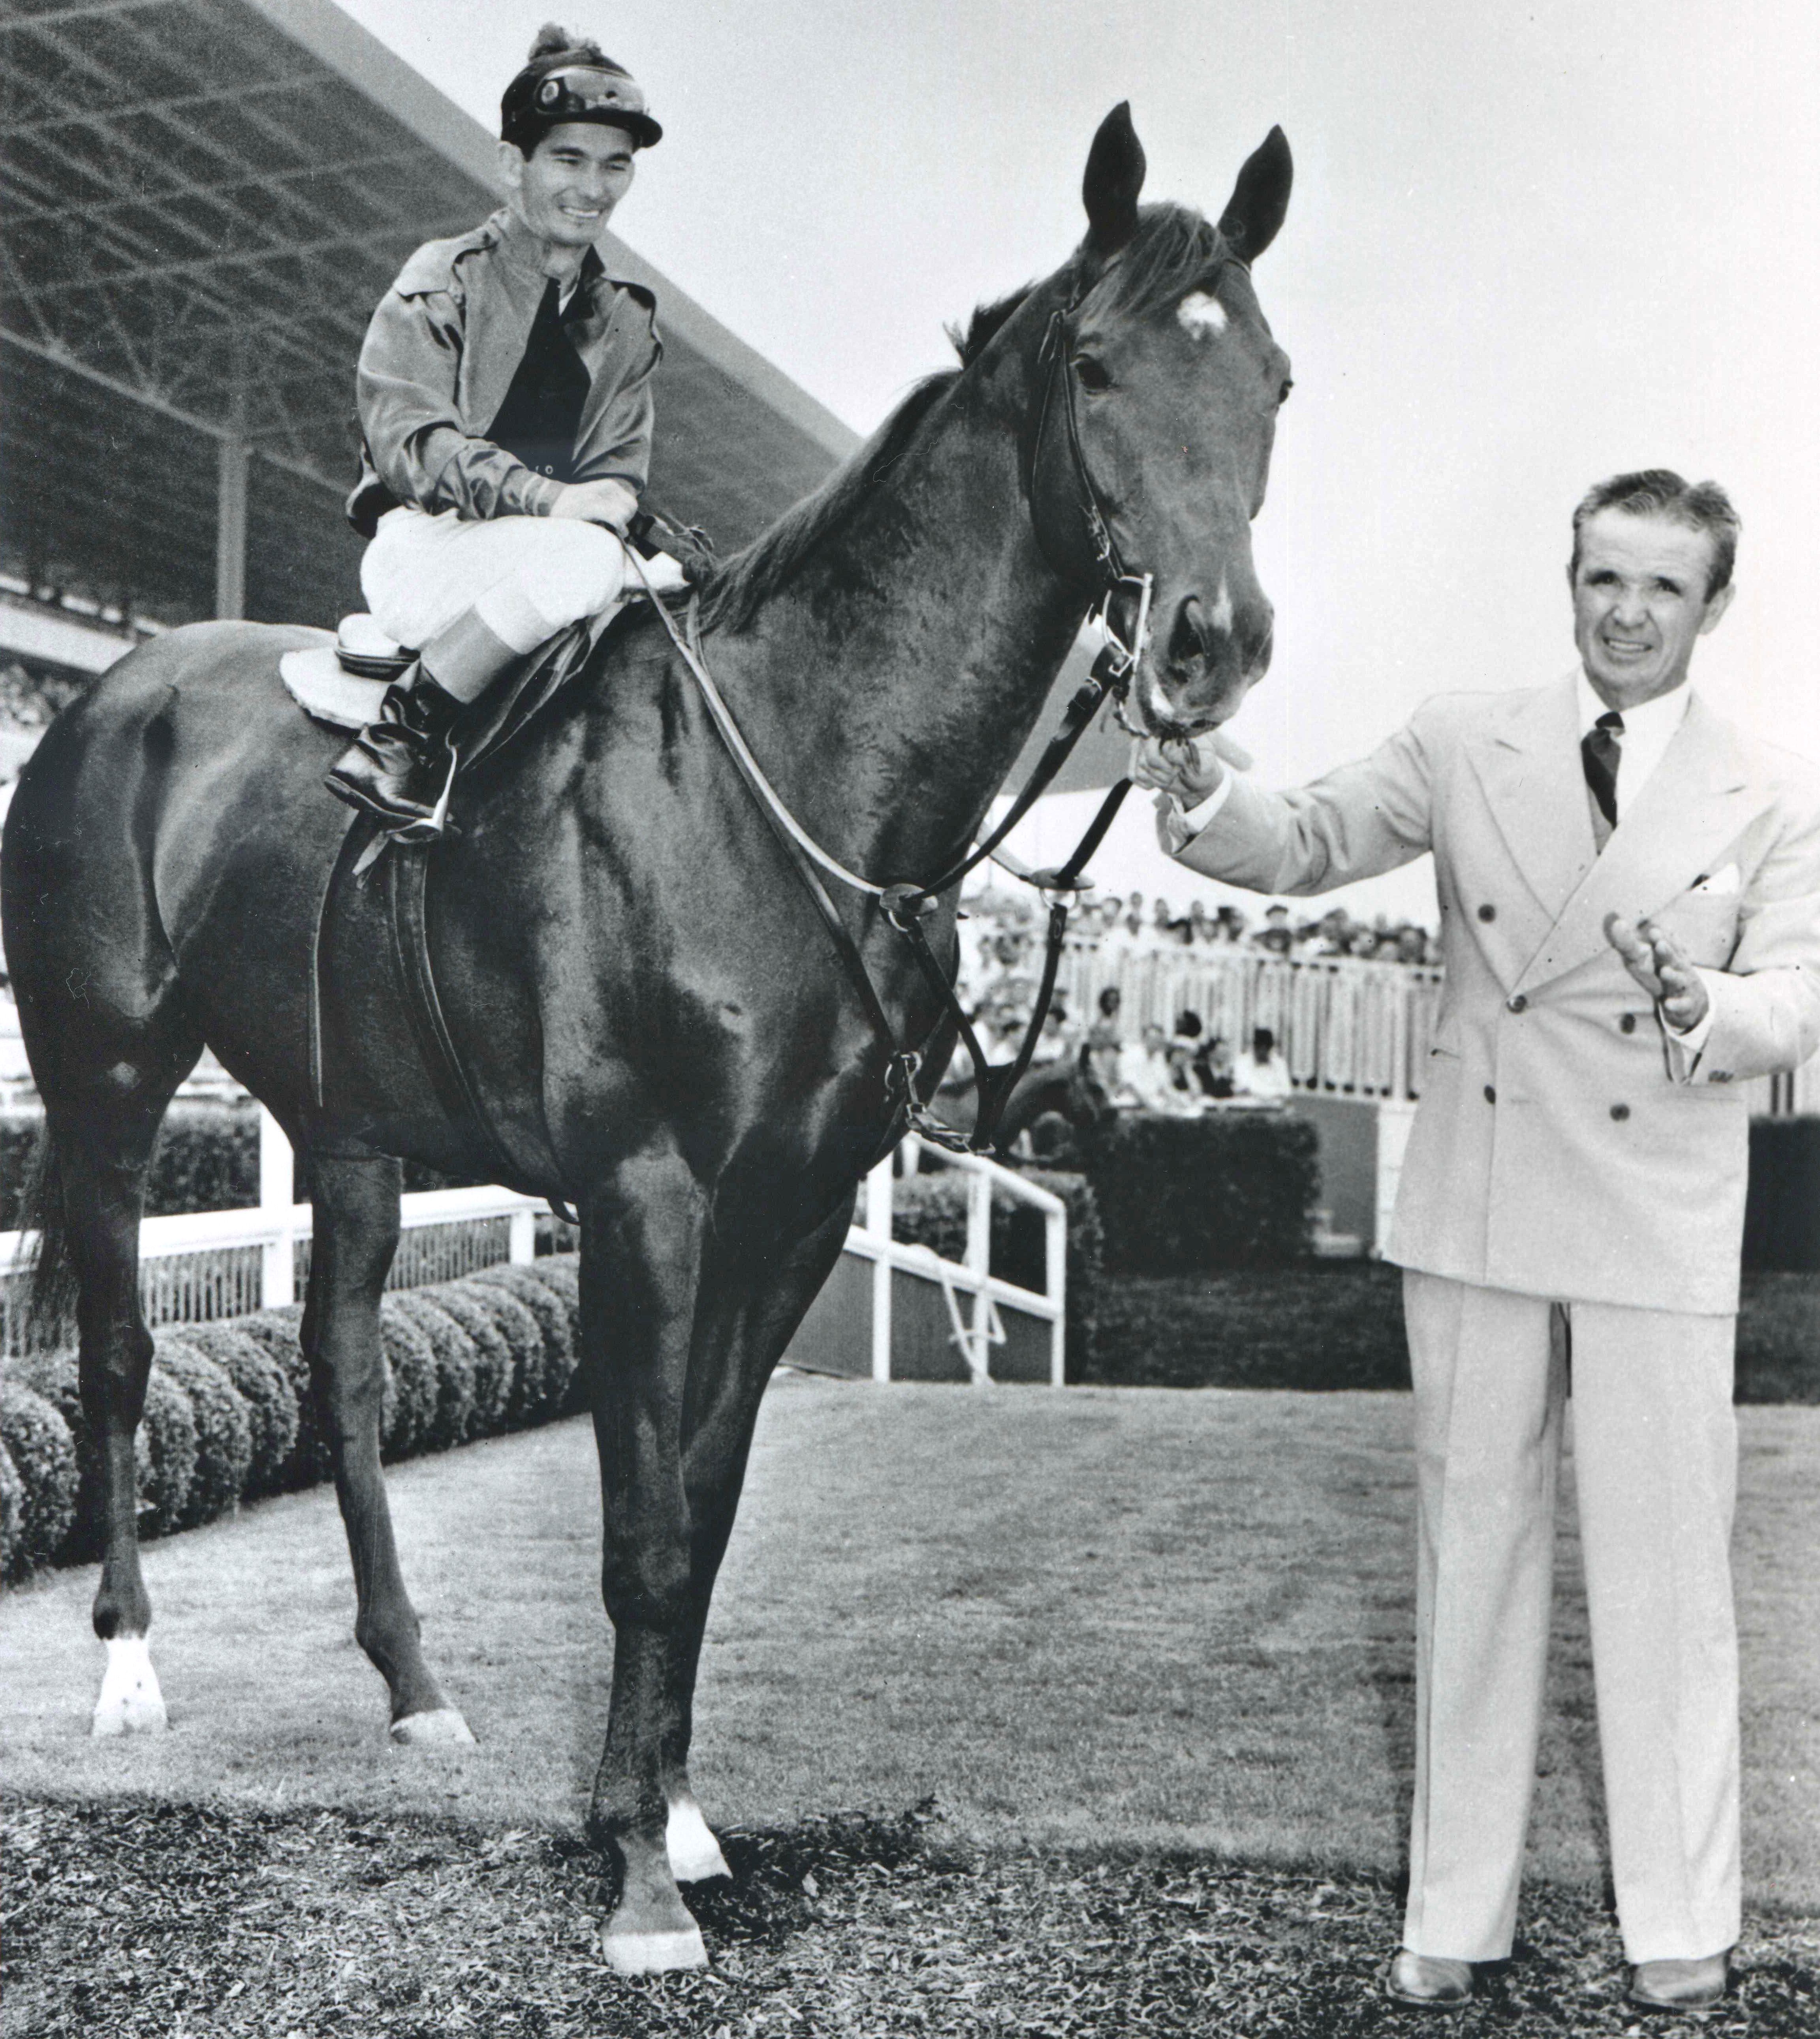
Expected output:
{"points": [[1069, 1087], [648, 1005]]}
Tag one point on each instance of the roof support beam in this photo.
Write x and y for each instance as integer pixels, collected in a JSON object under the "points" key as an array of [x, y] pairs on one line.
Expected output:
{"points": [[54, 17], [105, 117], [276, 251], [232, 456], [60, 358]]}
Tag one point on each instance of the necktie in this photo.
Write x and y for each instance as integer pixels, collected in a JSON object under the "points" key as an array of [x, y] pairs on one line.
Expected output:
{"points": [[1598, 758]]}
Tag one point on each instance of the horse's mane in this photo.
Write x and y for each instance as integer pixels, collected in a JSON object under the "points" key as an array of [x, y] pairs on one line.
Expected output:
{"points": [[1172, 249]]}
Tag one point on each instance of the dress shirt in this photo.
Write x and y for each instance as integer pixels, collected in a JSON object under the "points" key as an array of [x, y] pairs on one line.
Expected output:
{"points": [[1648, 730]]}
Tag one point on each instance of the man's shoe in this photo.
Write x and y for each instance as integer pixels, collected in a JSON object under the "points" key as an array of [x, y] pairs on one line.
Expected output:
{"points": [[1679, 1985], [1427, 1982], [399, 767]]}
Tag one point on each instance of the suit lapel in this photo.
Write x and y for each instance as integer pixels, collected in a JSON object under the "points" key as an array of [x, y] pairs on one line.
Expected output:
{"points": [[1529, 768], [1697, 800]]}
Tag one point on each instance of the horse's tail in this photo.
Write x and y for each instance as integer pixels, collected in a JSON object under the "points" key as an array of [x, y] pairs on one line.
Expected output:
{"points": [[50, 1283]]}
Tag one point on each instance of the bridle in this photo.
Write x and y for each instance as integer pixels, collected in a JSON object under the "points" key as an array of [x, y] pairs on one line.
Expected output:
{"points": [[1093, 554]]}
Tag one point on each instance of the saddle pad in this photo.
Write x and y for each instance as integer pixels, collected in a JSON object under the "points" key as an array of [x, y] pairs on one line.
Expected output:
{"points": [[325, 691]]}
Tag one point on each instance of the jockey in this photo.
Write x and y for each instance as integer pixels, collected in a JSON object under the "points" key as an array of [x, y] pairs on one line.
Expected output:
{"points": [[505, 394]]}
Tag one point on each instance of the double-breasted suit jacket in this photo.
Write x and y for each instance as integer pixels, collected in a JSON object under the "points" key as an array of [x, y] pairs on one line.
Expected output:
{"points": [[1566, 1144]]}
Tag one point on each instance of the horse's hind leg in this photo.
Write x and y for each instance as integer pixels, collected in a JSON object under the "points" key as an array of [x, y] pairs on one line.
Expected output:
{"points": [[355, 1236], [103, 1121]]}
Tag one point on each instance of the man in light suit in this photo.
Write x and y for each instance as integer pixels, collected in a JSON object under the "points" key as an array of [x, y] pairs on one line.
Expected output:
{"points": [[1630, 902]]}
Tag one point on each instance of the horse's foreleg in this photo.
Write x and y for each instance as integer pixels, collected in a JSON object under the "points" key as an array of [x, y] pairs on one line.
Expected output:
{"points": [[641, 1252], [748, 1312], [355, 1236]]}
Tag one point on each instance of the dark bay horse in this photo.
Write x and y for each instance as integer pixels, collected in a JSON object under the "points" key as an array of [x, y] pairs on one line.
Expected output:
{"points": [[647, 1004]]}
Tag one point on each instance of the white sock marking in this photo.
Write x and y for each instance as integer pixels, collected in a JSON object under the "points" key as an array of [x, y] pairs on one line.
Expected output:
{"points": [[130, 1703]]}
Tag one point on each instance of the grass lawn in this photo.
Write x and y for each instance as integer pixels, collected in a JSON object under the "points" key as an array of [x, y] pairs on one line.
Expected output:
{"points": [[1147, 1653], [1324, 1324]]}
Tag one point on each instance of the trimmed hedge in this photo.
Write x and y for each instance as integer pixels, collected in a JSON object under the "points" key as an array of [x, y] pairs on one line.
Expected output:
{"points": [[224, 1430], [206, 1159], [452, 1352], [546, 1386], [929, 1209], [12, 1517], [41, 1458], [411, 1361], [1185, 1196], [1782, 1209], [523, 1332], [276, 1331], [492, 1355], [263, 1386]]}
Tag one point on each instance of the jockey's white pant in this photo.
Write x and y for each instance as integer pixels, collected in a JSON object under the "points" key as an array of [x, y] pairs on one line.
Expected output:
{"points": [[525, 578]]}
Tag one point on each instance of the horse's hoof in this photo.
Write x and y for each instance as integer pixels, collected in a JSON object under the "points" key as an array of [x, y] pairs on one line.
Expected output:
{"points": [[130, 1703], [688, 1840], [653, 1953], [443, 1728]]}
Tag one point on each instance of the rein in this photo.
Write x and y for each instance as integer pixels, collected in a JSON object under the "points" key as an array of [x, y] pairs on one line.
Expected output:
{"points": [[906, 907]]}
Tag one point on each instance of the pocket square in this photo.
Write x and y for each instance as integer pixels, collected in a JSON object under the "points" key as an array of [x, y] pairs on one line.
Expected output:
{"points": [[1721, 882]]}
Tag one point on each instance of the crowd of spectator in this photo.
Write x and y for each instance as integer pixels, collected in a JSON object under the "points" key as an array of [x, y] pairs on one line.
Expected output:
{"points": [[1184, 1068], [1135, 925]]}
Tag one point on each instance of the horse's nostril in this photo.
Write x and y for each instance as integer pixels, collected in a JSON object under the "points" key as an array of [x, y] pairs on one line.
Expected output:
{"points": [[1188, 641]]}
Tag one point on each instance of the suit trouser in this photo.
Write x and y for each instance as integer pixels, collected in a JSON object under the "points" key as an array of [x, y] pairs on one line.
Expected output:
{"points": [[1655, 1455]]}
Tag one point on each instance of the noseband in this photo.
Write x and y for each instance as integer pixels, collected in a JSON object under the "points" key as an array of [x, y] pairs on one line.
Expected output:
{"points": [[907, 906]]}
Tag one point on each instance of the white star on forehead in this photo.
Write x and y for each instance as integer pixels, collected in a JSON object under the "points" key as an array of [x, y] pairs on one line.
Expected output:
{"points": [[1202, 312]]}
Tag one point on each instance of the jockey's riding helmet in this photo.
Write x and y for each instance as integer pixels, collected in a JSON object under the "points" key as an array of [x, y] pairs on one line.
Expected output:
{"points": [[567, 80]]}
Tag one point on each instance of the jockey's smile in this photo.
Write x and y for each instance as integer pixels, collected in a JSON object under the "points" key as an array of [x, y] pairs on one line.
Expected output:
{"points": [[565, 192]]}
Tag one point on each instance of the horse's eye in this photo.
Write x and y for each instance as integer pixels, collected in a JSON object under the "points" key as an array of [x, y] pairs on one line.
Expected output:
{"points": [[1283, 394], [1091, 374]]}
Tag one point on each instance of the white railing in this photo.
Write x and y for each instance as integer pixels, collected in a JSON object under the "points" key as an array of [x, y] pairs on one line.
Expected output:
{"points": [[976, 1329], [276, 1226]]}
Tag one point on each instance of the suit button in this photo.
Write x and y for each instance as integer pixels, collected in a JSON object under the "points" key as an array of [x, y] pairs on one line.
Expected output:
{"points": [[1491, 1095], [1487, 912], [1628, 1024], [1516, 1003], [1621, 1112]]}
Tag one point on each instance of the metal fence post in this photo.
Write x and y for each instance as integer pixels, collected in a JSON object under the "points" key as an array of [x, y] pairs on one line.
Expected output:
{"points": [[878, 1229], [278, 1268]]}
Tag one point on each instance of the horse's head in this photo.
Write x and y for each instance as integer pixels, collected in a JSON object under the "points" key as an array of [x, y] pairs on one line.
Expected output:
{"points": [[1151, 447]]}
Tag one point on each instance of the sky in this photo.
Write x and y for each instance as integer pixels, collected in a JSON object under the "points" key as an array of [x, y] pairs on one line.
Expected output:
{"points": [[1530, 245]]}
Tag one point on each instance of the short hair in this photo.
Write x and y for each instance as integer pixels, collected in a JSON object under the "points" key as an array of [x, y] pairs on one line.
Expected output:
{"points": [[1659, 492]]}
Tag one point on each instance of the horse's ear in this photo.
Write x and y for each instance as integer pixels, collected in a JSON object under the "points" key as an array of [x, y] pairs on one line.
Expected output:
{"points": [[1260, 199], [1115, 176]]}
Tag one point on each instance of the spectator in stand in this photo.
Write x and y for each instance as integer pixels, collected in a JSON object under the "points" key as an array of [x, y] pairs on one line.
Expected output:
{"points": [[1182, 1094], [1262, 1072], [1144, 1071], [1275, 935], [1215, 1070], [1231, 922]]}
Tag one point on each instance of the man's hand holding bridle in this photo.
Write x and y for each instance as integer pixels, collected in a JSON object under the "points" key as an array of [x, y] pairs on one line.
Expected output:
{"points": [[1660, 965], [1191, 768]]}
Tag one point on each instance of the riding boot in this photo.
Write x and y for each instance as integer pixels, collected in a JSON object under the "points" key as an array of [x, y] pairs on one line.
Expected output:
{"points": [[399, 767]]}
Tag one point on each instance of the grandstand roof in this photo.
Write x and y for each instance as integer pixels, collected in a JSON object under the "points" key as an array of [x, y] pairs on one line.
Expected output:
{"points": [[202, 200]]}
